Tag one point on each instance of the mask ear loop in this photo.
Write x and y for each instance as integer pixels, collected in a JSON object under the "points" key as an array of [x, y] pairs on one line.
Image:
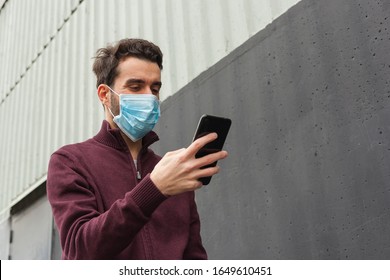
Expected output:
{"points": [[111, 90], [110, 112]]}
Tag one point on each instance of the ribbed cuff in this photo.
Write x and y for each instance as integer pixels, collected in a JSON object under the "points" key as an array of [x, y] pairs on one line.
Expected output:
{"points": [[147, 196]]}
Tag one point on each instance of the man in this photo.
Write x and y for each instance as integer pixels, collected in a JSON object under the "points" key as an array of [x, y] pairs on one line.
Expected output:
{"points": [[112, 197]]}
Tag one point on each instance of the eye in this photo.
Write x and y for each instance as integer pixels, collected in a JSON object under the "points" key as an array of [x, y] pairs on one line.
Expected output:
{"points": [[156, 91], [135, 88]]}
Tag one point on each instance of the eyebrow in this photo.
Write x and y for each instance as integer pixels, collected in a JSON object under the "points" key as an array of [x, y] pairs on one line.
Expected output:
{"points": [[140, 81]]}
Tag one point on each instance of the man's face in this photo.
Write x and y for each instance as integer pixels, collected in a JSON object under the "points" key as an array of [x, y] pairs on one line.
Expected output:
{"points": [[136, 76]]}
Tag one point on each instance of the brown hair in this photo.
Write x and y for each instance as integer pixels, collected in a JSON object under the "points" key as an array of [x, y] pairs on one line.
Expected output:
{"points": [[107, 59]]}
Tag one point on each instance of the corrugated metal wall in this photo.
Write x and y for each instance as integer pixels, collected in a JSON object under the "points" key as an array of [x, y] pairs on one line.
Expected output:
{"points": [[47, 91]]}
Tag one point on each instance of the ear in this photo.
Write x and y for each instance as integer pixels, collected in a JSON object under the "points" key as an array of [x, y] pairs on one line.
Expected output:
{"points": [[102, 92]]}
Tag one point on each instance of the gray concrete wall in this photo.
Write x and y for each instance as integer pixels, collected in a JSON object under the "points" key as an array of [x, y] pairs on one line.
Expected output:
{"points": [[308, 175]]}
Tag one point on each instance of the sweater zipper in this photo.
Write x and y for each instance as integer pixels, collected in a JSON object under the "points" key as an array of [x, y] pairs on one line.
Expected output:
{"points": [[138, 167], [138, 174], [145, 232]]}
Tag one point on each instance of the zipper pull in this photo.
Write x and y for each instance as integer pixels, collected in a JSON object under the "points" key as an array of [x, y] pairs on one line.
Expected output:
{"points": [[139, 175]]}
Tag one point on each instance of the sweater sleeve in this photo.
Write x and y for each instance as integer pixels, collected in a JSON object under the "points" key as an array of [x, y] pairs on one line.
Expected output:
{"points": [[86, 233], [194, 249]]}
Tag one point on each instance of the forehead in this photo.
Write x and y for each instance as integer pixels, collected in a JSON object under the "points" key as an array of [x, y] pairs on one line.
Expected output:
{"points": [[135, 68]]}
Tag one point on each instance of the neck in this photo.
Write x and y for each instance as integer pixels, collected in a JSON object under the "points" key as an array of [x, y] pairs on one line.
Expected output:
{"points": [[134, 147]]}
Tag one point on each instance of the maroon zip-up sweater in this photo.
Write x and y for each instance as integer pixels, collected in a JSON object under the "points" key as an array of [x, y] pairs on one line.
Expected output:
{"points": [[103, 210]]}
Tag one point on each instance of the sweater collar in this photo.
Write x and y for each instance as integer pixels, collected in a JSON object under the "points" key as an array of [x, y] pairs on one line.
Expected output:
{"points": [[112, 137]]}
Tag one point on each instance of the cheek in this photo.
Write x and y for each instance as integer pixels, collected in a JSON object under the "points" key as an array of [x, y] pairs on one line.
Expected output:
{"points": [[114, 105]]}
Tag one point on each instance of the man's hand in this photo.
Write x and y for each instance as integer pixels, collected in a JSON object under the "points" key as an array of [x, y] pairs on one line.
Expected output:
{"points": [[179, 171]]}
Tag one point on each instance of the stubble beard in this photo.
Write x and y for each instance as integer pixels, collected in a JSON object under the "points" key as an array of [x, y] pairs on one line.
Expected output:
{"points": [[114, 104]]}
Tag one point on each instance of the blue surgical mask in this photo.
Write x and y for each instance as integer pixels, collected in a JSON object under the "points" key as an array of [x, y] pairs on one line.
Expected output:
{"points": [[138, 114]]}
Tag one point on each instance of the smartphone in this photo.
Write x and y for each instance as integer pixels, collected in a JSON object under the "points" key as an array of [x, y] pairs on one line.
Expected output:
{"points": [[206, 125]]}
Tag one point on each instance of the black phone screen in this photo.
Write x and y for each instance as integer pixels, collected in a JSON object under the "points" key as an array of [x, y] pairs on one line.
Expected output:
{"points": [[208, 124]]}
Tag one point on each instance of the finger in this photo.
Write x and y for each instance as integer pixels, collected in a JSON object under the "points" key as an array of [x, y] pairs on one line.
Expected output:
{"points": [[199, 143], [206, 172], [206, 160]]}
